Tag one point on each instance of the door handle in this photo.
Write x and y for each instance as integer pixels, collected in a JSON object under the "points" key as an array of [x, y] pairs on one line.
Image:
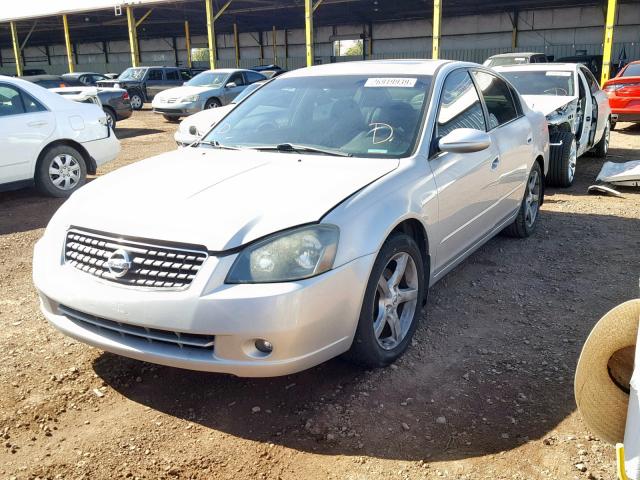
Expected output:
{"points": [[37, 124], [495, 163], [529, 140]]}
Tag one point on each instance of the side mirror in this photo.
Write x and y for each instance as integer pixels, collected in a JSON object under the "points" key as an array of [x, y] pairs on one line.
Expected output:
{"points": [[464, 140], [231, 85]]}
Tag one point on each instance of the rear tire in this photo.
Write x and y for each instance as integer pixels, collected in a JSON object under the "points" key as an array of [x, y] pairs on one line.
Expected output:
{"points": [[111, 118], [392, 304], [525, 223], [563, 159], [61, 171], [602, 147]]}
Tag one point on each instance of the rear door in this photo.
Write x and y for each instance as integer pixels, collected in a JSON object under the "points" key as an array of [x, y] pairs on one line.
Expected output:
{"points": [[173, 78], [466, 182], [25, 126], [155, 82], [510, 131]]}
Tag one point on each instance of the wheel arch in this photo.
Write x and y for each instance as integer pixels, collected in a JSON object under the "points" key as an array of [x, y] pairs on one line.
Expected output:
{"points": [[89, 162], [416, 230], [540, 161]]}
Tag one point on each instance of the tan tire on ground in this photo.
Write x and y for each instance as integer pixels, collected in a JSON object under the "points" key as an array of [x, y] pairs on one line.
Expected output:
{"points": [[602, 401]]}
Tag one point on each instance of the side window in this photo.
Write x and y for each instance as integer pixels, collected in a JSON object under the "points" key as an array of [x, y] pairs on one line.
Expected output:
{"points": [[253, 77], [591, 80], [10, 101], [31, 105], [497, 98], [460, 105], [155, 74], [172, 75], [237, 79]]}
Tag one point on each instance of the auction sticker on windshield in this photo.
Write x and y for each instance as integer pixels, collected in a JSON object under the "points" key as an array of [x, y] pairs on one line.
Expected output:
{"points": [[391, 82]]}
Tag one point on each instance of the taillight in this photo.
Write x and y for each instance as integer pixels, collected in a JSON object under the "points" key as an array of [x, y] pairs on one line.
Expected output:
{"points": [[125, 96], [617, 86], [62, 85]]}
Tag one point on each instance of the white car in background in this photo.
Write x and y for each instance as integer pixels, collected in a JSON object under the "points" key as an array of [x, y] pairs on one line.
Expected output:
{"points": [[195, 126], [576, 108], [309, 222], [48, 140]]}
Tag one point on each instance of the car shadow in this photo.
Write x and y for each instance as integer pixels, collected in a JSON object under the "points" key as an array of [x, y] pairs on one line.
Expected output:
{"points": [[490, 368], [122, 133], [17, 210]]}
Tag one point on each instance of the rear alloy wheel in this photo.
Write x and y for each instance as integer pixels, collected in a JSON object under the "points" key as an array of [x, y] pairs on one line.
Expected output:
{"points": [[563, 160], [136, 101], [111, 118], [602, 148], [61, 172], [392, 304], [527, 219]]}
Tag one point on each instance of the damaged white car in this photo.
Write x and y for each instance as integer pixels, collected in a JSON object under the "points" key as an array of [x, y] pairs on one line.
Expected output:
{"points": [[576, 108]]}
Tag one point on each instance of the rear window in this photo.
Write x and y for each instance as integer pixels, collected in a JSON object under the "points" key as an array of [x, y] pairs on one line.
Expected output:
{"points": [[552, 82], [632, 70]]}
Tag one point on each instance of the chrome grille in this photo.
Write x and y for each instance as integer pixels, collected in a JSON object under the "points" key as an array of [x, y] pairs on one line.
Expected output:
{"points": [[149, 265], [127, 330]]}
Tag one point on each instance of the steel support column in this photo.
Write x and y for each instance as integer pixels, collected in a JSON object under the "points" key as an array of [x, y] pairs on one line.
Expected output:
{"points": [[514, 29], [608, 40], [187, 39], [437, 20], [67, 43], [236, 43], [16, 48], [133, 37], [308, 24], [274, 40], [286, 49], [211, 34]]}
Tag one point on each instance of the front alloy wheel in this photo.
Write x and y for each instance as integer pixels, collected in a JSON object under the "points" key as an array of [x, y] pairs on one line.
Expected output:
{"points": [[397, 298], [391, 305]]}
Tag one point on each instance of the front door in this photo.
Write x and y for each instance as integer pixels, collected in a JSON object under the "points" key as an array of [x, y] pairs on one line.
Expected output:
{"points": [[231, 92], [25, 125], [466, 182], [155, 82]]}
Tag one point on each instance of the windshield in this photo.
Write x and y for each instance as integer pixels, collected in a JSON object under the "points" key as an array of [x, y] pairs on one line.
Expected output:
{"points": [[556, 82], [208, 79], [499, 61], [246, 92], [358, 115], [132, 74], [633, 70]]}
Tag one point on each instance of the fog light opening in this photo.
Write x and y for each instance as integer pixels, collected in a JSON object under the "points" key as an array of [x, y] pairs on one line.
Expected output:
{"points": [[263, 346]]}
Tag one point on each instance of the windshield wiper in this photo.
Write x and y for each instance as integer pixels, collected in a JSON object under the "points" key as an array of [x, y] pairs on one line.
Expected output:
{"points": [[293, 147], [217, 144]]}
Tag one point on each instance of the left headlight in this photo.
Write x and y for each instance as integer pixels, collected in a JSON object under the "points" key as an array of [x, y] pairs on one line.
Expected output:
{"points": [[189, 99], [287, 256]]}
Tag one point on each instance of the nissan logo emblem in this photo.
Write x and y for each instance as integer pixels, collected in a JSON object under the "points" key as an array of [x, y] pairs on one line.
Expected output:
{"points": [[119, 263]]}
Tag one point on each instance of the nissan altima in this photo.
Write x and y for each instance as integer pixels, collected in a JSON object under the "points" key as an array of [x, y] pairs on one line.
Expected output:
{"points": [[299, 229]]}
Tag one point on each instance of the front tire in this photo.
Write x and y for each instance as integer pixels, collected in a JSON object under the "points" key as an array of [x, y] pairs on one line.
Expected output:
{"points": [[136, 100], [171, 118], [392, 304], [563, 160], [527, 219], [212, 103], [61, 171]]}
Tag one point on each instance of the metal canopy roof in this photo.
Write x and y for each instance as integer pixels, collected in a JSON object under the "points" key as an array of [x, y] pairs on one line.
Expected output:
{"points": [[167, 17]]}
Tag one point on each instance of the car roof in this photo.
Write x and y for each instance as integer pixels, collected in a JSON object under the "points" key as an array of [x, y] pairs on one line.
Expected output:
{"points": [[515, 54], [555, 67], [78, 74], [372, 67], [35, 78]]}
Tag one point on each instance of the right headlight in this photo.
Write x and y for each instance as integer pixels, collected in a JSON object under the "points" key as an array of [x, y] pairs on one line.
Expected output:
{"points": [[292, 255]]}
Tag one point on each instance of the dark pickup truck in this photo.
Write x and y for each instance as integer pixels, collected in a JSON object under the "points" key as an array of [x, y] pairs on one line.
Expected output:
{"points": [[144, 83]]}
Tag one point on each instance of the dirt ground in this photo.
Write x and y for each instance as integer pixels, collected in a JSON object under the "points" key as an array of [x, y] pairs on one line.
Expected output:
{"points": [[485, 391]]}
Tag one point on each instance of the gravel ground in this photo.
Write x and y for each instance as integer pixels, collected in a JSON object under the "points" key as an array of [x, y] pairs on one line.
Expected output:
{"points": [[485, 391]]}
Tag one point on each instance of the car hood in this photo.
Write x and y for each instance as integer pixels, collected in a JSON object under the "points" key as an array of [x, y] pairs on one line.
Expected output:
{"points": [[184, 91], [547, 103], [205, 119], [221, 199]]}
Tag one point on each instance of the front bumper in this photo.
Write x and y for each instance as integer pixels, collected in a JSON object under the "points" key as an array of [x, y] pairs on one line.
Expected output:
{"points": [[308, 322], [177, 109], [104, 150], [184, 138]]}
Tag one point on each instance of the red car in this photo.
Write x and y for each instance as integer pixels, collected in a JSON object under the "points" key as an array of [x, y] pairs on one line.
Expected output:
{"points": [[624, 94]]}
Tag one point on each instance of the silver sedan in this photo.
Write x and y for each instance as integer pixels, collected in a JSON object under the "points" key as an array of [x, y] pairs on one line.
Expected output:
{"points": [[309, 222]]}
